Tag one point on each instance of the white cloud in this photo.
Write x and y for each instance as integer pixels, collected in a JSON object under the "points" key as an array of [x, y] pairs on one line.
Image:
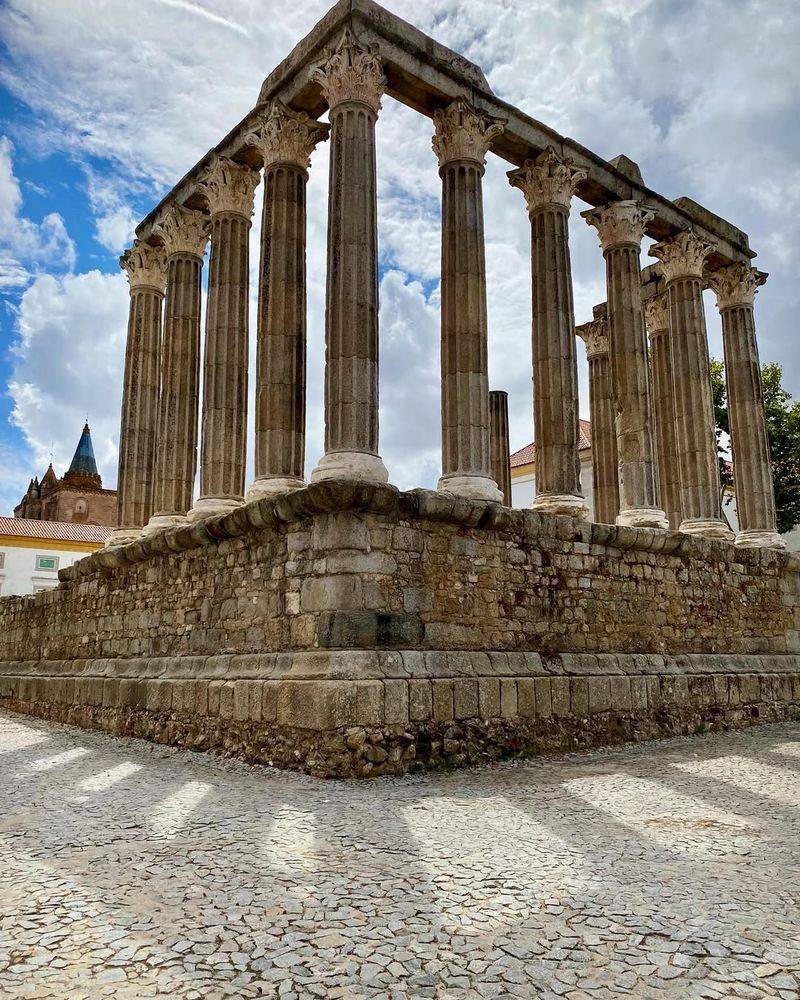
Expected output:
{"points": [[25, 245], [67, 366], [705, 103]]}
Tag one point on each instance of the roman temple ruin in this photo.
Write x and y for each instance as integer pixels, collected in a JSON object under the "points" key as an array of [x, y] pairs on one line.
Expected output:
{"points": [[331, 623]]}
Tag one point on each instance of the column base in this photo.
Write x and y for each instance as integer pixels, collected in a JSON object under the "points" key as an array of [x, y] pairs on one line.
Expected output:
{"points": [[272, 486], [710, 527], [561, 503], [755, 539], [350, 465], [160, 522], [209, 506], [642, 517], [123, 536], [471, 487]]}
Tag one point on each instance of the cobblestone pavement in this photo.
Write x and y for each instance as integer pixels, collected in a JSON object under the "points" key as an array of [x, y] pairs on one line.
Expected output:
{"points": [[663, 870]]}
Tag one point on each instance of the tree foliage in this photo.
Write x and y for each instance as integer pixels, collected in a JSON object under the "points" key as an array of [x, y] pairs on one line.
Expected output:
{"points": [[783, 430]]}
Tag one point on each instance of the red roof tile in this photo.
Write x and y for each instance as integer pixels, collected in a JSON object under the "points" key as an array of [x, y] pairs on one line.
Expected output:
{"points": [[57, 530], [527, 454]]}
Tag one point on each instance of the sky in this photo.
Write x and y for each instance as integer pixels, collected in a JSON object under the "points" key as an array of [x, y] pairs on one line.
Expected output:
{"points": [[104, 105]]}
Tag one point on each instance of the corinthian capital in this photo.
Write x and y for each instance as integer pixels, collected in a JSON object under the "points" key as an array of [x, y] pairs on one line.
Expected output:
{"points": [[619, 222], [682, 256], [145, 265], [285, 136], [463, 133], [594, 335], [229, 187], [353, 72], [736, 284], [183, 230], [547, 180], [656, 314]]}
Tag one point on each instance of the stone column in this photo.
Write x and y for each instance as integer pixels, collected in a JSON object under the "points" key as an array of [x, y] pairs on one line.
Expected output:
{"points": [[229, 189], [735, 287], [285, 140], [498, 443], [668, 477], [605, 475], [462, 138], [146, 267], [184, 233], [352, 83], [621, 227], [548, 183], [682, 258]]}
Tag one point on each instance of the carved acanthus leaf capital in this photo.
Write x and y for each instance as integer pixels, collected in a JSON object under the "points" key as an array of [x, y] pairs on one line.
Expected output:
{"points": [[547, 180], [736, 284], [656, 314], [682, 256], [183, 230], [145, 265], [619, 222], [285, 136], [229, 187], [595, 336], [352, 72], [463, 133]]}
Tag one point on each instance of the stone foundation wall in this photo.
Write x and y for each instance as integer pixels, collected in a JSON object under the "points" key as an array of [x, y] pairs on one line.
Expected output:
{"points": [[357, 714], [352, 629], [357, 566]]}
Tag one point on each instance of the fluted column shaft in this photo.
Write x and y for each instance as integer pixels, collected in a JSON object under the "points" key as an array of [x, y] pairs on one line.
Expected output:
{"points": [[285, 140], [696, 442], [352, 81], [146, 267], [281, 349], [548, 184], [669, 487], [735, 287], [498, 443], [176, 461], [620, 226], [461, 140], [224, 436], [601, 407], [464, 351], [604, 441], [682, 260]]}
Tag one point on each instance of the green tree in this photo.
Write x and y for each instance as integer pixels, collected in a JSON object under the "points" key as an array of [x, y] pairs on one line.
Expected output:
{"points": [[783, 430]]}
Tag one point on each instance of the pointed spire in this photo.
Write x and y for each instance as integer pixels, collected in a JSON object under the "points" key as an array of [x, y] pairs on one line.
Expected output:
{"points": [[83, 463]]}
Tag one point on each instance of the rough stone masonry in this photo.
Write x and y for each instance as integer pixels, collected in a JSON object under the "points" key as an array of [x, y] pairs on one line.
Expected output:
{"points": [[345, 628], [351, 629]]}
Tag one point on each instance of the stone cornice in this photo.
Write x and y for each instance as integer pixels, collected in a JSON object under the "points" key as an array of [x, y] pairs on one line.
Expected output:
{"points": [[463, 133], [656, 313], [285, 136], [547, 180], [352, 73], [229, 187], [595, 336], [620, 222], [145, 265], [735, 285], [183, 230], [682, 256]]}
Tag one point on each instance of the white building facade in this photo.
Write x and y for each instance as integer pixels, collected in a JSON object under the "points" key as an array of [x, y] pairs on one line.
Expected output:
{"points": [[32, 552]]}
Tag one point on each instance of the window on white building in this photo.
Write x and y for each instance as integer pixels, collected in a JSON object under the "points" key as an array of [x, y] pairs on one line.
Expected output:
{"points": [[49, 563]]}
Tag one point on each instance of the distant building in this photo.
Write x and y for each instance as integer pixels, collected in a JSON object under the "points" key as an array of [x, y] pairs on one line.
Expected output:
{"points": [[523, 469], [77, 498], [523, 483], [32, 552]]}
